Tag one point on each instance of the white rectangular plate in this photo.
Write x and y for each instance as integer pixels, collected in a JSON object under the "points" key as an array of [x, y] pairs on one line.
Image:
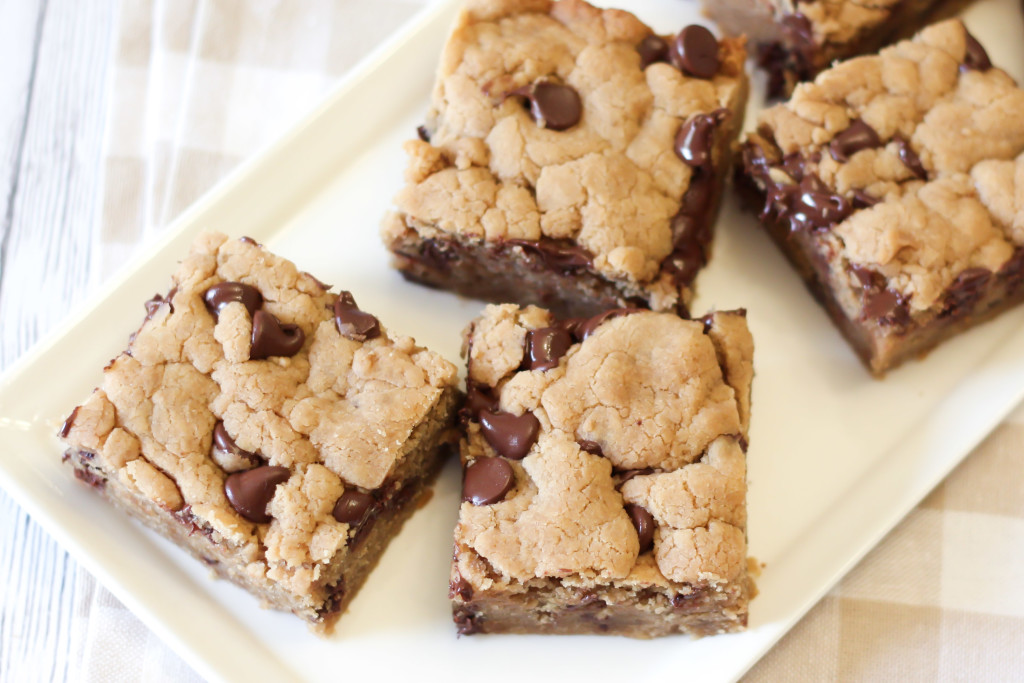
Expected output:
{"points": [[836, 458]]}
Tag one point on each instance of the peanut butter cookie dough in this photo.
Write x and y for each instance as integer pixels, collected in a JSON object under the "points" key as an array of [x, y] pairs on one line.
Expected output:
{"points": [[571, 158], [604, 474], [270, 427], [892, 183]]}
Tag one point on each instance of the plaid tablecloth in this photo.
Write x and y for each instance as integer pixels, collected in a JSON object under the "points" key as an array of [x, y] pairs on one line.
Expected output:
{"points": [[201, 84]]}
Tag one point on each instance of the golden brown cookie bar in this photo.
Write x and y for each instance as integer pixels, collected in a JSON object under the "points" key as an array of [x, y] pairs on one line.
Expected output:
{"points": [[604, 483], [268, 426], [797, 39], [571, 158], [892, 183]]}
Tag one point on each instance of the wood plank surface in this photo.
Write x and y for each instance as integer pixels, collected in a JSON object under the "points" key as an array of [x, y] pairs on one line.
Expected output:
{"points": [[54, 95]]}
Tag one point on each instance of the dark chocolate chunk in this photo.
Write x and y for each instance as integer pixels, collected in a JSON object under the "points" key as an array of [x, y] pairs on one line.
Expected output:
{"points": [[652, 49], [591, 447], [272, 338], [976, 59], [910, 159], [544, 346], [643, 522], [250, 492], [695, 139], [351, 322], [422, 133], [353, 507], [479, 397], [65, 428], [552, 105], [695, 51], [590, 325], [223, 442], [510, 435], [460, 587], [879, 304], [966, 290], [219, 296], [856, 137], [487, 481], [557, 255]]}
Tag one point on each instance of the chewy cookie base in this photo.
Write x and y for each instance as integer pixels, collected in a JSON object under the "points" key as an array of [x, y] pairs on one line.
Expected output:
{"points": [[881, 347], [547, 607], [409, 488]]}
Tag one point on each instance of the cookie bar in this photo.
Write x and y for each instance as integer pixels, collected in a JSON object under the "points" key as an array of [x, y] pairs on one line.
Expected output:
{"points": [[604, 481], [797, 39], [268, 426], [892, 183], [572, 158]]}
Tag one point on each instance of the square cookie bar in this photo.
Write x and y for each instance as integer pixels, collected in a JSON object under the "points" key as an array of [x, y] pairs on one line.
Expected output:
{"points": [[893, 184], [268, 426], [572, 158], [797, 39], [604, 482]]}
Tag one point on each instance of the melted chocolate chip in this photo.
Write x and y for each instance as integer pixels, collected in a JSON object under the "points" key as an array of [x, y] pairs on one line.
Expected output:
{"points": [[272, 338], [422, 133], [590, 325], [643, 522], [545, 346], [487, 481], [591, 447], [250, 492], [695, 51], [223, 442], [458, 586], [880, 304], [968, 287], [856, 137], [652, 49], [556, 255], [65, 428], [219, 296], [809, 205], [626, 475], [467, 622], [479, 397], [353, 507], [154, 304], [910, 159], [250, 241], [862, 200], [552, 105], [695, 139], [510, 435], [351, 322], [975, 59]]}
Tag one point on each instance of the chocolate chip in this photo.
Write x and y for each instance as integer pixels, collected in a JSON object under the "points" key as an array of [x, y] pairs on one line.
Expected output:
{"points": [[880, 304], [250, 492], [856, 137], [272, 338], [910, 159], [220, 295], [460, 587], [695, 139], [695, 51], [467, 622], [544, 346], [510, 435], [862, 200], [351, 322], [223, 443], [556, 255], [487, 481], [353, 507], [975, 59], [65, 428], [250, 241], [422, 133], [552, 105], [590, 325], [626, 475], [652, 49], [154, 304], [591, 447], [479, 397], [643, 522], [813, 207], [965, 291]]}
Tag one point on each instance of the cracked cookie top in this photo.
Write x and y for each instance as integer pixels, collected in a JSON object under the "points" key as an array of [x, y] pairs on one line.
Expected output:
{"points": [[251, 400], [502, 163], [607, 449], [905, 164]]}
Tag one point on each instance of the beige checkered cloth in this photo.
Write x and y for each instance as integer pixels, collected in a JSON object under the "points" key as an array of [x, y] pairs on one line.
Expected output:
{"points": [[201, 84]]}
